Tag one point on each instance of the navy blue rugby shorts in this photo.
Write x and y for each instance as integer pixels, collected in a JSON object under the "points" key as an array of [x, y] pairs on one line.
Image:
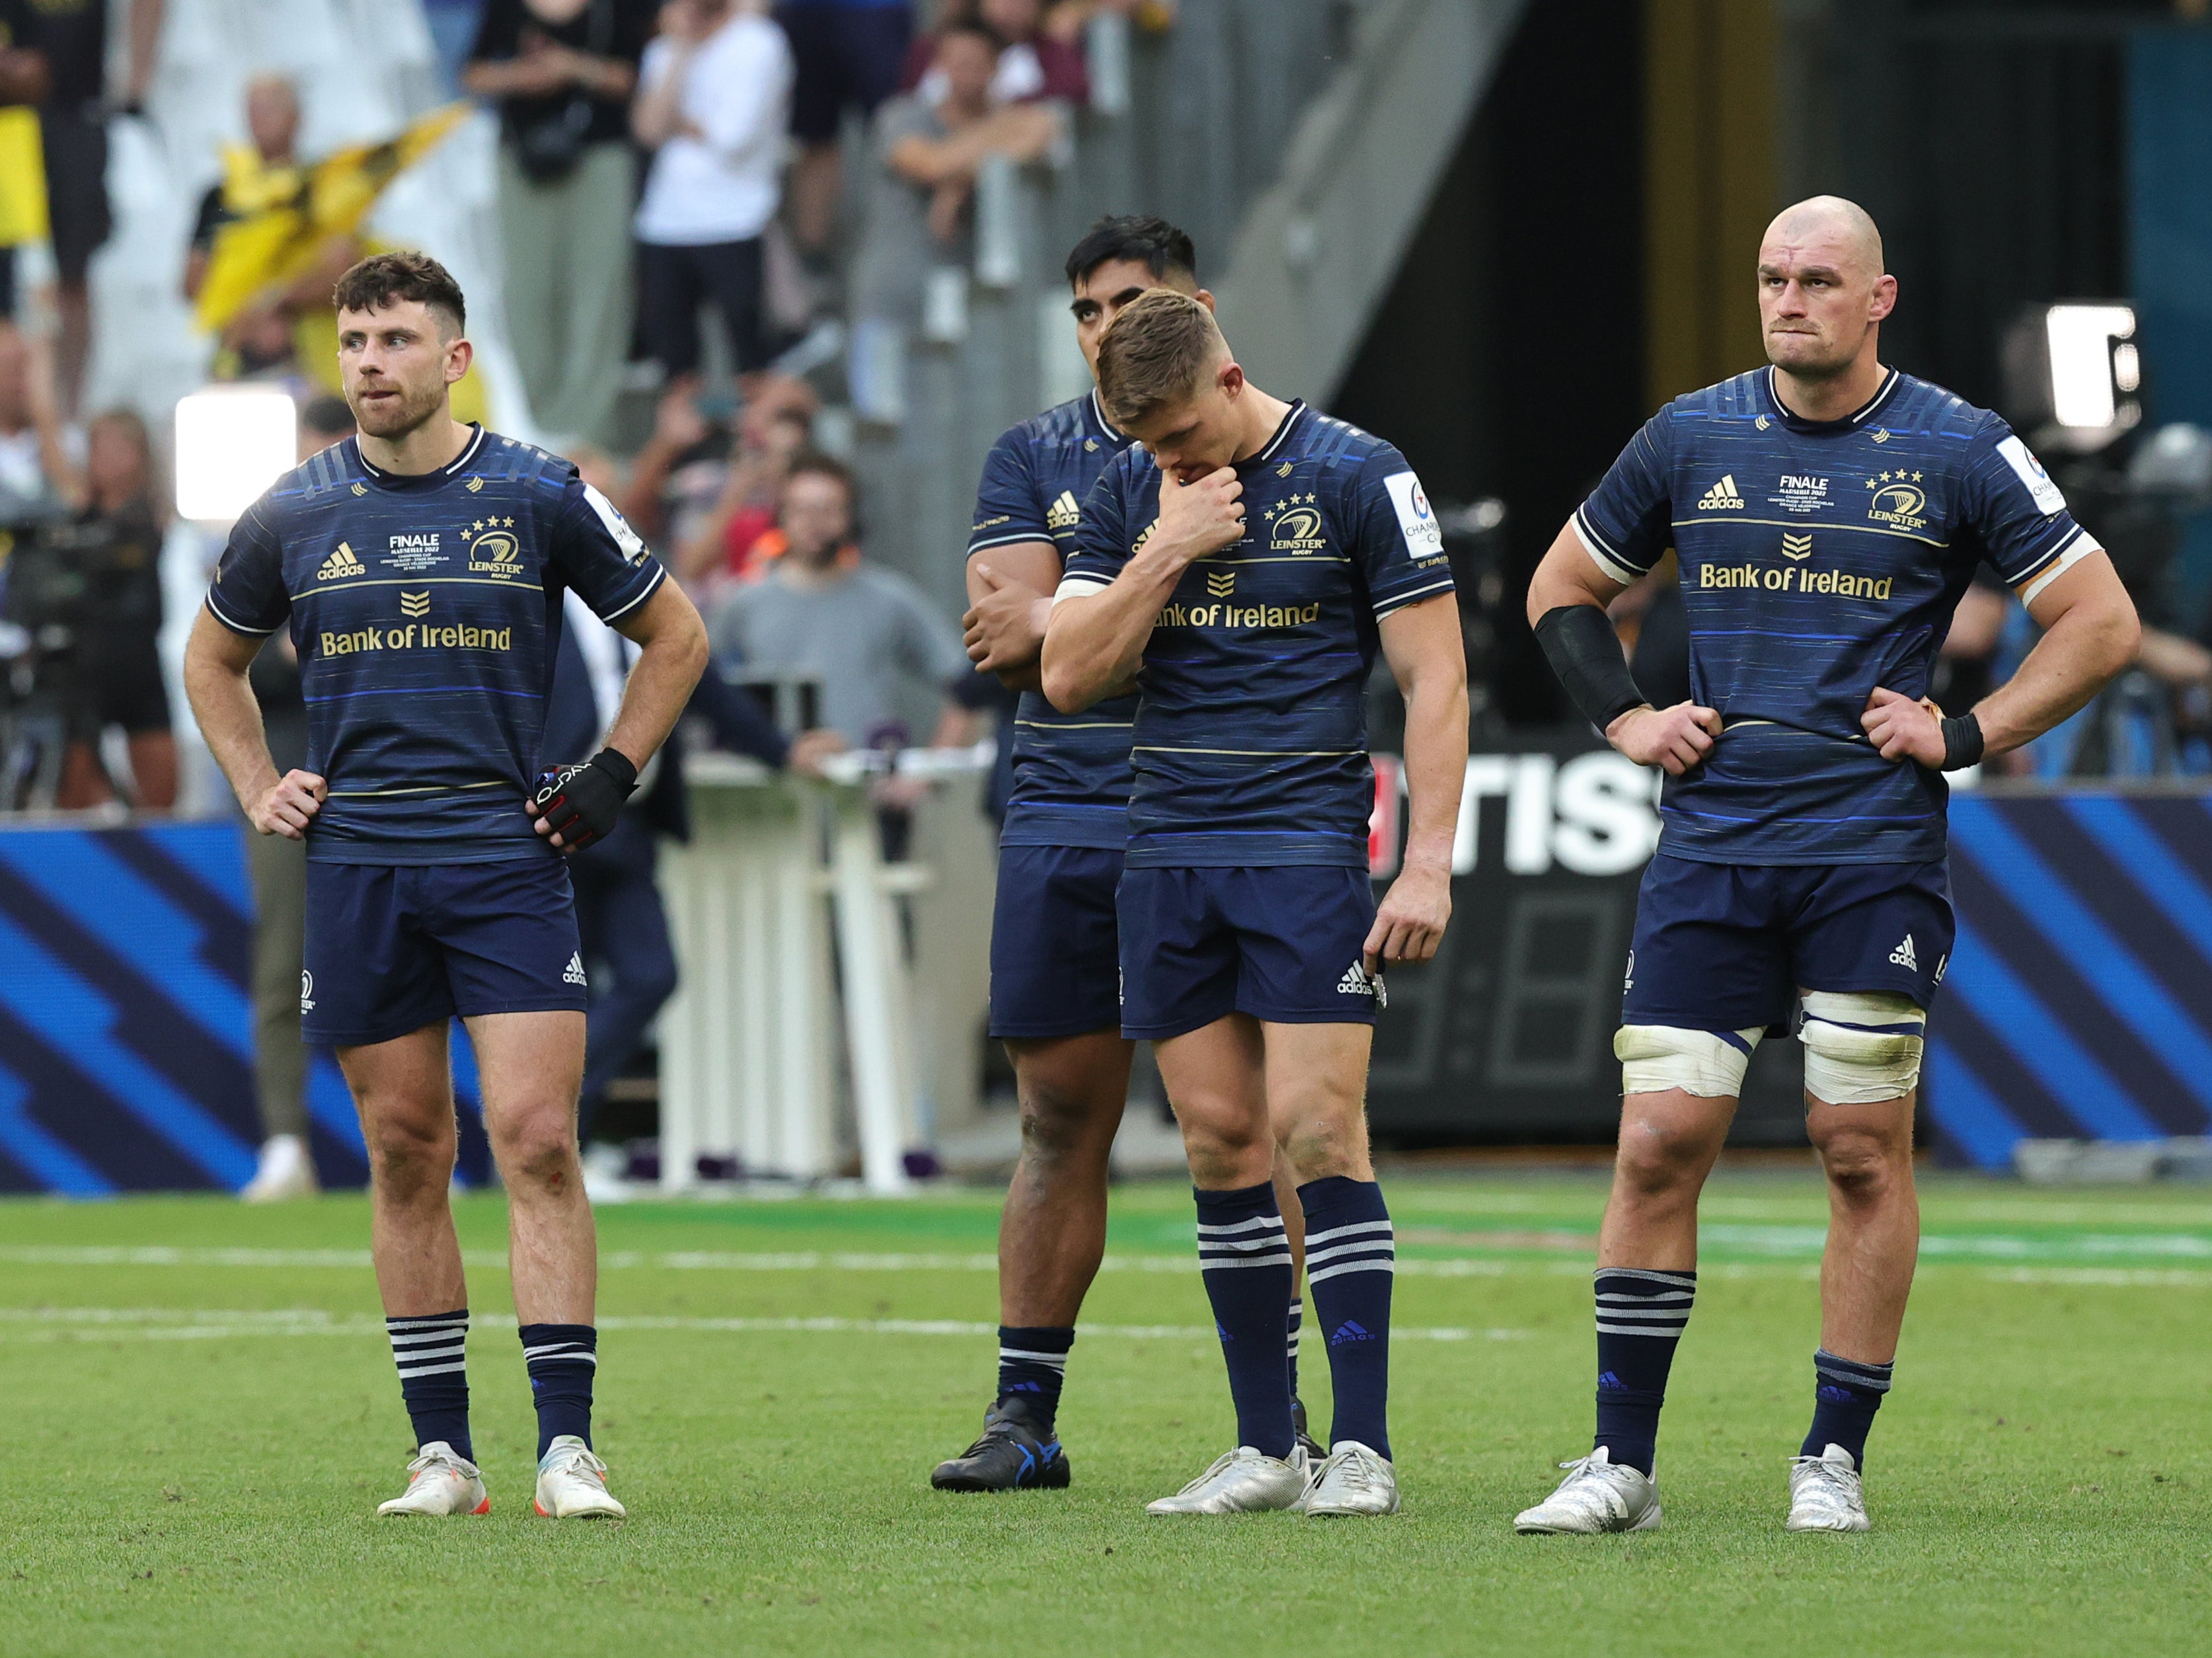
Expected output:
{"points": [[1724, 946], [1282, 944], [392, 947], [1055, 949]]}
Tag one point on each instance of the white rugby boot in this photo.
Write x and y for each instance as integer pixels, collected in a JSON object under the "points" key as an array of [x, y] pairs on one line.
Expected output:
{"points": [[572, 1483], [1825, 1493], [1598, 1495], [1354, 1480], [440, 1481], [1241, 1481], [283, 1170]]}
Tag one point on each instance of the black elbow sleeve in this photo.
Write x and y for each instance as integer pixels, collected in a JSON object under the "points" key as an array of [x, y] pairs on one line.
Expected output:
{"points": [[1584, 651]]}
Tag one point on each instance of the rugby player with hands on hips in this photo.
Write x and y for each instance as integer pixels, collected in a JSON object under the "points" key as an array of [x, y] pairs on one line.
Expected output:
{"points": [[1827, 512], [420, 566], [1243, 567]]}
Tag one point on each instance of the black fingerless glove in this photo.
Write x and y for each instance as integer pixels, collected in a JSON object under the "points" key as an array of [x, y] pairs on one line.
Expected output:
{"points": [[580, 803]]}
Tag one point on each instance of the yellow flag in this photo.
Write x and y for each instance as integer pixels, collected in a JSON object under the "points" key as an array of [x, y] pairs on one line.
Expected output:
{"points": [[22, 177], [284, 216]]}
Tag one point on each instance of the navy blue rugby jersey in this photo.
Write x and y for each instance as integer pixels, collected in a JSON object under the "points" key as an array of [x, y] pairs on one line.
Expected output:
{"points": [[1251, 739], [1820, 559], [1071, 771], [427, 612]]}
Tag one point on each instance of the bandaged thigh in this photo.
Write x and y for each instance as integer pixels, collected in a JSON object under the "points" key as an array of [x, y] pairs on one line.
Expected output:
{"points": [[1654, 1058], [1862, 1047]]}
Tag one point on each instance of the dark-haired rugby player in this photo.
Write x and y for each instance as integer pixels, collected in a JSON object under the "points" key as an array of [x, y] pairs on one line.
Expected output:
{"points": [[420, 566]]}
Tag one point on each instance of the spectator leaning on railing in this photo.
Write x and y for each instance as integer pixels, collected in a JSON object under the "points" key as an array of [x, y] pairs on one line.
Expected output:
{"points": [[927, 153], [864, 634], [711, 104], [561, 72]]}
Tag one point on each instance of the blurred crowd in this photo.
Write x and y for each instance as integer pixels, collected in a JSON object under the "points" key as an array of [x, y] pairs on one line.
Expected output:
{"points": [[707, 209]]}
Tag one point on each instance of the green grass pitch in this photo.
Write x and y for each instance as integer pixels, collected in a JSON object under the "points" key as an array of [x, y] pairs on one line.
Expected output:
{"points": [[202, 1417]]}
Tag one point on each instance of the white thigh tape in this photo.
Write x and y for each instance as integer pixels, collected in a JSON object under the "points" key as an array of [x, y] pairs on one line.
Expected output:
{"points": [[1656, 1058], [1861, 1047]]}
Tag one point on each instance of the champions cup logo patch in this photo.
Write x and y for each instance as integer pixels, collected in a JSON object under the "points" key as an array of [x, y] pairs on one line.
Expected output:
{"points": [[1900, 504], [493, 550], [1296, 528], [414, 553]]}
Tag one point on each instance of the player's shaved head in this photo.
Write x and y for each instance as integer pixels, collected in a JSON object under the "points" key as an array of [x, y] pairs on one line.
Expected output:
{"points": [[1835, 225], [1822, 296]]}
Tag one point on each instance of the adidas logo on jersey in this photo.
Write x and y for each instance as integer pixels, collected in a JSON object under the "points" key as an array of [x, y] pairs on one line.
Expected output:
{"points": [[1905, 955], [573, 972], [1721, 497], [340, 564], [1064, 514]]}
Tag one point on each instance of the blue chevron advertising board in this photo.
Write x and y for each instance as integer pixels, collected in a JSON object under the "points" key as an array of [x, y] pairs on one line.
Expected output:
{"points": [[2078, 1003], [126, 1021]]}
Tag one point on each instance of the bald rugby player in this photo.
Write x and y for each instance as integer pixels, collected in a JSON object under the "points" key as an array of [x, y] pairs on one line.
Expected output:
{"points": [[1827, 512]]}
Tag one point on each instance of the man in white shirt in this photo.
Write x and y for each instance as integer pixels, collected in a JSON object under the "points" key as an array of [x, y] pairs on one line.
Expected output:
{"points": [[713, 93]]}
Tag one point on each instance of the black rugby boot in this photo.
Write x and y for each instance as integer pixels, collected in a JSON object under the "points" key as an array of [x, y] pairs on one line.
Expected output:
{"points": [[1011, 1455], [1316, 1452]]}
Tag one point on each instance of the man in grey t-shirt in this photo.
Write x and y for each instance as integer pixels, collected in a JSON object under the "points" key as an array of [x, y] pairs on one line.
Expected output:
{"points": [[865, 635]]}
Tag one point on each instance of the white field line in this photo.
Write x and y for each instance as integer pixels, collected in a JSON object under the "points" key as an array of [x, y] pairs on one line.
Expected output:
{"points": [[1938, 1253], [180, 1323]]}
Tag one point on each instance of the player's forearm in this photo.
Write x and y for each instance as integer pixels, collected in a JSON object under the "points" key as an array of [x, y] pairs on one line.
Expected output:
{"points": [[1097, 642], [661, 685], [2077, 658], [230, 719], [1435, 767]]}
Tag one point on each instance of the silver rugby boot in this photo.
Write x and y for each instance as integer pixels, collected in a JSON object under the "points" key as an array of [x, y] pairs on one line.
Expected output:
{"points": [[1354, 1480], [1598, 1495], [1241, 1481], [1825, 1493]]}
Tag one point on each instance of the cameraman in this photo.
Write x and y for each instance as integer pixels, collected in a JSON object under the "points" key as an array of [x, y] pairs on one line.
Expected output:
{"points": [[111, 672]]}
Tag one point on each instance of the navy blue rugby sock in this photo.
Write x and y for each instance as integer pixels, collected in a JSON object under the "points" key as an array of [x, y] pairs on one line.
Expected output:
{"points": [[1032, 1364], [1350, 1259], [1244, 1256], [431, 1354], [1640, 1318], [1845, 1395], [562, 1360]]}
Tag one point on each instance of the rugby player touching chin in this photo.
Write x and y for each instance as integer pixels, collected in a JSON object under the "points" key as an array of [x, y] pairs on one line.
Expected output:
{"points": [[1055, 967], [1244, 566], [1828, 513], [420, 566]]}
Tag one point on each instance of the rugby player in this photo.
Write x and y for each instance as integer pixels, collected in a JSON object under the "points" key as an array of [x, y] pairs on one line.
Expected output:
{"points": [[1244, 566], [1055, 996], [1827, 512], [420, 566]]}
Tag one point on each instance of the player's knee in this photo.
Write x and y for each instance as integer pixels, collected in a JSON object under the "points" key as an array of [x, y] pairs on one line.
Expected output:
{"points": [[1661, 1058], [1864, 1165], [1321, 1144], [1861, 1047], [537, 1149], [408, 1154], [1223, 1144], [1659, 1155], [1059, 1120]]}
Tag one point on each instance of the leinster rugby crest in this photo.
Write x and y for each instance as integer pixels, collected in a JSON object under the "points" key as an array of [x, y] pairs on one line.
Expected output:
{"points": [[1294, 526], [493, 550]]}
